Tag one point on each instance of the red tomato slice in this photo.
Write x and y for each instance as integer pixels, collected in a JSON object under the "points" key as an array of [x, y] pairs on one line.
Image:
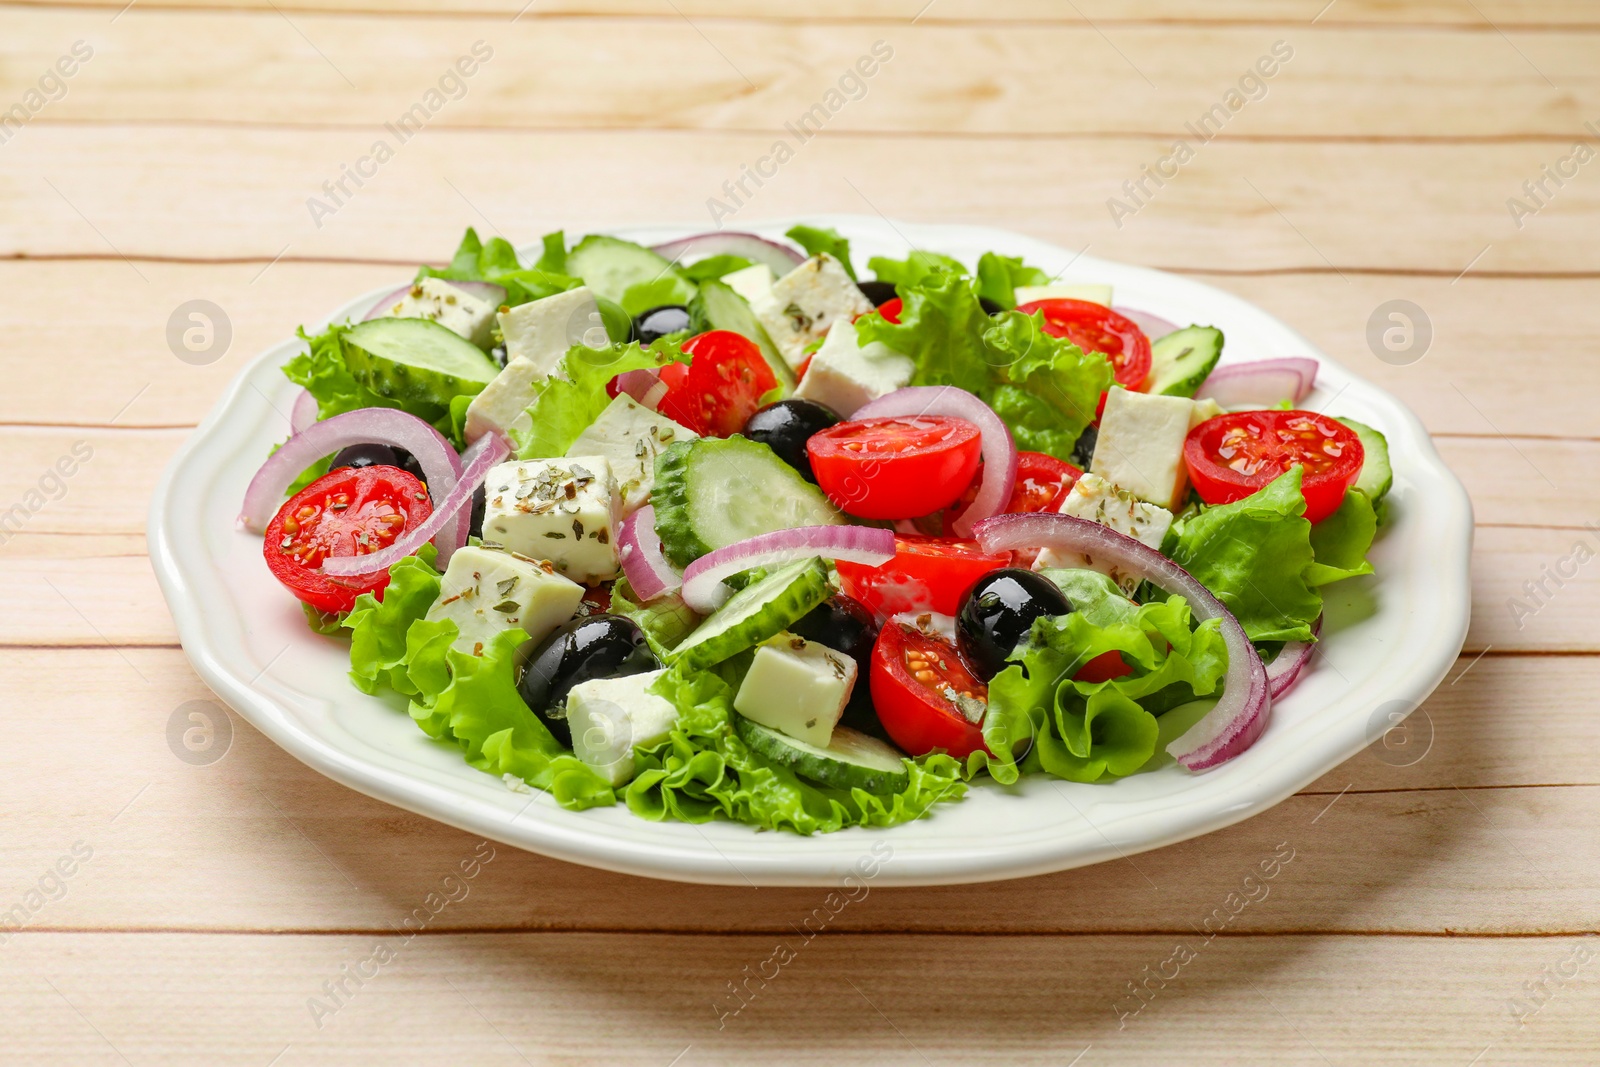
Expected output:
{"points": [[890, 310], [349, 512], [895, 468], [917, 681], [1103, 668], [1096, 328], [1231, 456], [926, 574], [722, 385], [1043, 482]]}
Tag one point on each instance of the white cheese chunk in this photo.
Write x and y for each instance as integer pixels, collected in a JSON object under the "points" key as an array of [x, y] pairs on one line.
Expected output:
{"points": [[629, 435], [542, 331], [609, 717], [1140, 446], [1203, 410], [1100, 501], [797, 687], [503, 404], [1095, 294], [752, 283], [487, 590], [804, 303], [844, 374], [561, 510], [455, 309]]}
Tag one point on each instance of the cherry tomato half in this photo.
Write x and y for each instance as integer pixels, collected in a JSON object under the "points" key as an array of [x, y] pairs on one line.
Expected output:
{"points": [[1231, 456], [352, 511], [1043, 482], [919, 686], [926, 574], [1096, 328], [895, 468], [722, 386]]}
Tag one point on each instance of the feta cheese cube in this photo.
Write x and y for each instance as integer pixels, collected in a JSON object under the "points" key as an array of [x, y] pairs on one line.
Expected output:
{"points": [[542, 331], [455, 309], [845, 374], [1203, 410], [561, 510], [487, 590], [1140, 446], [752, 282], [1095, 294], [797, 687], [610, 716], [629, 435], [1100, 501], [808, 300], [503, 404]]}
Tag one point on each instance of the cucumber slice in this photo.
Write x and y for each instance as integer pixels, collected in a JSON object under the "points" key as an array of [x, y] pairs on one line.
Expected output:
{"points": [[712, 492], [852, 760], [754, 614], [416, 361], [609, 265], [1183, 359], [718, 307], [1376, 475]]}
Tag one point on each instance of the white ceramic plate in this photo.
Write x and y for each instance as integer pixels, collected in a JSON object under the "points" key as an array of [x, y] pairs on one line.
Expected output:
{"points": [[1388, 641]]}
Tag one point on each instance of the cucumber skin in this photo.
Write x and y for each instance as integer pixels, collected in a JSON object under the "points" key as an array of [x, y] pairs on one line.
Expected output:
{"points": [[1375, 479], [705, 314], [406, 384], [608, 265], [801, 593], [1190, 382], [831, 771]]}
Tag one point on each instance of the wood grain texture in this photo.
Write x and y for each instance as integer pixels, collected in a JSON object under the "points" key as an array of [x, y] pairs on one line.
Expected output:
{"points": [[625, 999]]}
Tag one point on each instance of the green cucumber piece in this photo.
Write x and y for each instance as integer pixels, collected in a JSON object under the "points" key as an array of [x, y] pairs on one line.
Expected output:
{"points": [[712, 492], [754, 614], [610, 265], [717, 307], [1376, 475], [852, 760], [1183, 359], [416, 361]]}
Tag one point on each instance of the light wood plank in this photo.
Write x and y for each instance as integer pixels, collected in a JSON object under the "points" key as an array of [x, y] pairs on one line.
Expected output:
{"points": [[665, 71], [266, 843], [1462, 377], [196, 999], [1507, 14], [244, 193]]}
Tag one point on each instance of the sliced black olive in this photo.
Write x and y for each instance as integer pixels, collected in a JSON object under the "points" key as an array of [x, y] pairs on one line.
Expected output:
{"points": [[997, 613], [598, 646], [370, 455], [845, 625], [880, 293], [650, 326], [1083, 451], [498, 354], [989, 306], [480, 504], [786, 426]]}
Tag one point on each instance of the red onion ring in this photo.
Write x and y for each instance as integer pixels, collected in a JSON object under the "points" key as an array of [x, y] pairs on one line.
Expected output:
{"points": [[1153, 325], [1285, 668], [643, 563], [488, 292], [1241, 713], [999, 450], [304, 412], [644, 385], [385, 426], [702, 580], [1261, 383], [780, 257], [485, 452]]}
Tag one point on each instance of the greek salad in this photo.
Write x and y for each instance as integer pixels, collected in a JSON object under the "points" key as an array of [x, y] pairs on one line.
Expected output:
{"points": [[724, 529]]}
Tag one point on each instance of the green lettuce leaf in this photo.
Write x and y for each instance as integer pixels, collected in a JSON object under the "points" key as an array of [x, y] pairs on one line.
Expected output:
{"points": [[1085, 731], [999, 276], [819, 239], [378, 627], [669, 288], [941, 328], [666, 620], [553, 257], [1340, 541], [567, 402], [322, 372], [916, 268], [713, 267], [496, 262], [703, 771]]}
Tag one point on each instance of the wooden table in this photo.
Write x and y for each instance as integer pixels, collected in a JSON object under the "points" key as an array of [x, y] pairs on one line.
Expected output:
{"points": [[1442, 912]]}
